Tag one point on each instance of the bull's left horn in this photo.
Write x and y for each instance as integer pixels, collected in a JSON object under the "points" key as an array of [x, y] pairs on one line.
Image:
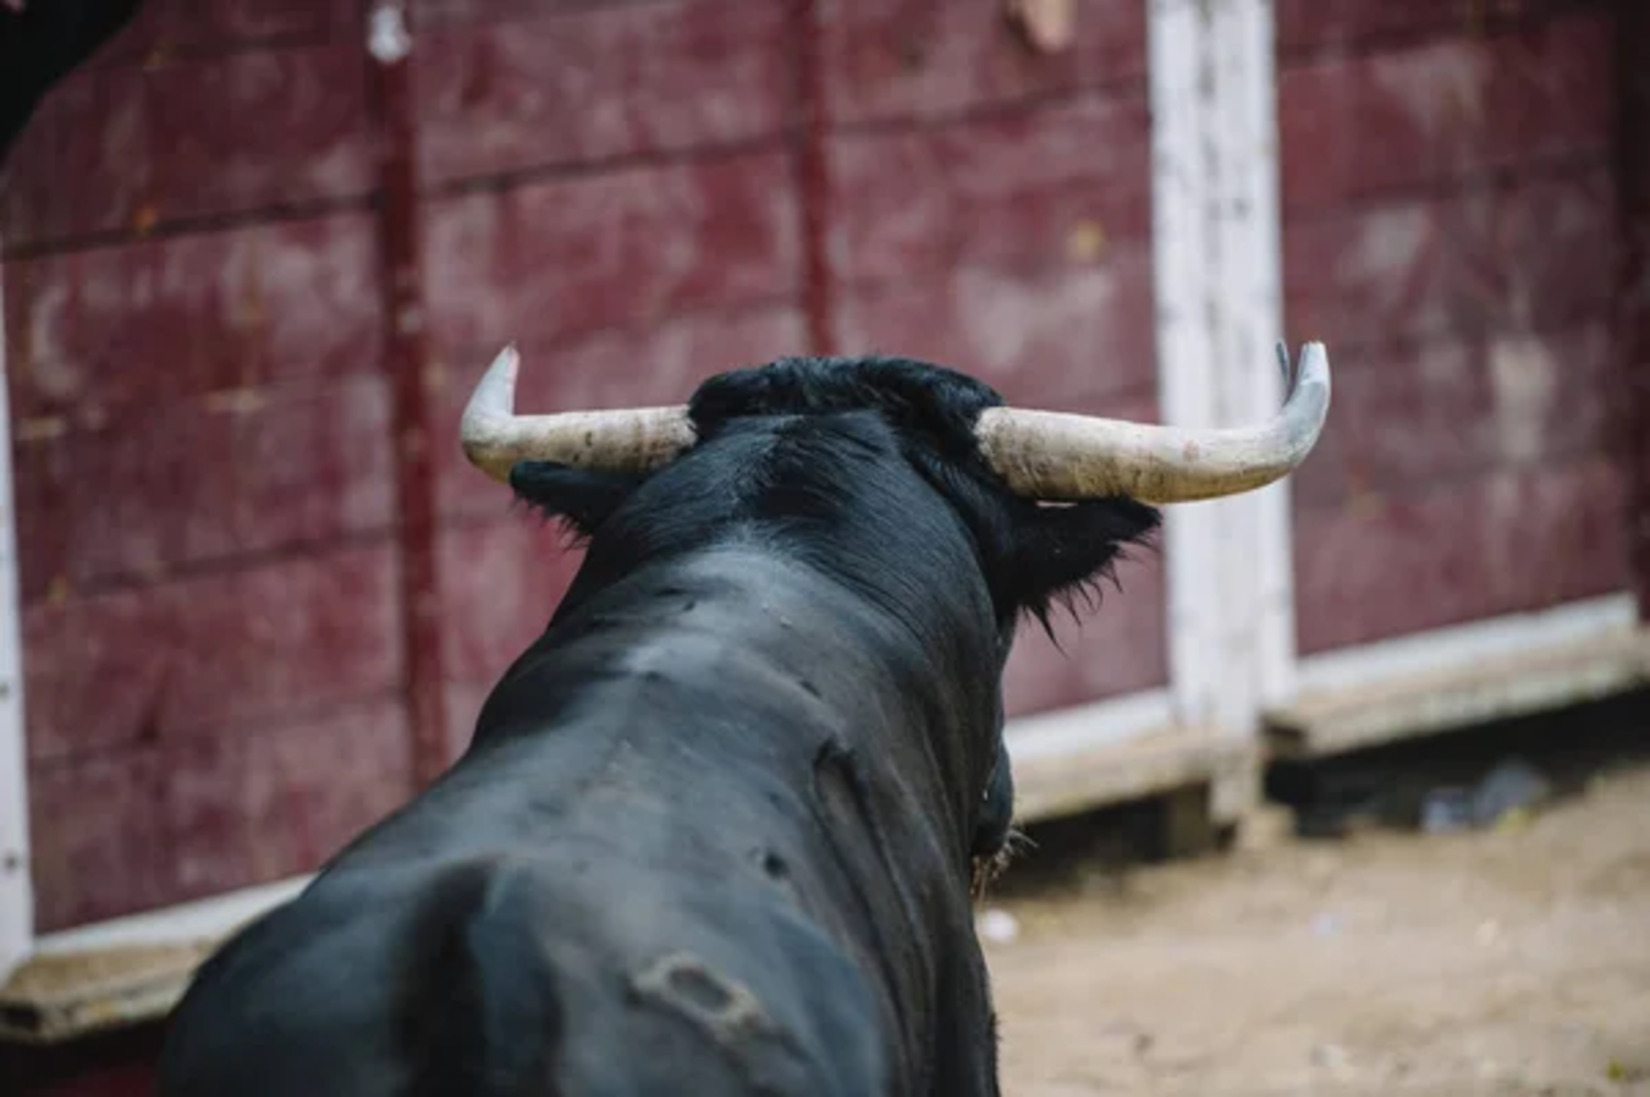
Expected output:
{"points": [[1060, 457], [631, 440]]}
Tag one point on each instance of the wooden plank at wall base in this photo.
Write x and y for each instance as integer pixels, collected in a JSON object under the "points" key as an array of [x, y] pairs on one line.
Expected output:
{"points": [[125, 971], [1082, 779], [1491, 670]]}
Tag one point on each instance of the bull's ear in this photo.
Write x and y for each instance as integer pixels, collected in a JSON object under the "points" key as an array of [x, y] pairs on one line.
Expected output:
{"points": [[580, 498], [1063, 553]]}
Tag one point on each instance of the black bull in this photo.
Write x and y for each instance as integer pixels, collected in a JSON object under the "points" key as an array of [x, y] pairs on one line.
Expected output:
{"points": [[715, 830]]}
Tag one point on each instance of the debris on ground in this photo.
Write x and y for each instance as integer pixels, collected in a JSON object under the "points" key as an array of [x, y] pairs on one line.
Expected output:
{"points": [[999, 926], [1511, 790]]}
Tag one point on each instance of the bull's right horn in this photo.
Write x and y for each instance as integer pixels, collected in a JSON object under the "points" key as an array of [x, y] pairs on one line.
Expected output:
{"points": [[632, 440], [1060, 457]]}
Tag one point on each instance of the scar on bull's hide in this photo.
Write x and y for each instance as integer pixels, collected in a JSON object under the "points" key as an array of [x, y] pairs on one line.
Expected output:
{"points": [[725, 1009]]}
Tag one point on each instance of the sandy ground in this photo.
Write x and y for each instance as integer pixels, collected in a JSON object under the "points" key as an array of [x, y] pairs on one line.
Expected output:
{"points": [[1514, 961]]}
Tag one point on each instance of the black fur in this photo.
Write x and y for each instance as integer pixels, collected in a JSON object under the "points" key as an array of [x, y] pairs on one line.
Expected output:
{"points": [[1034, 556], [717, 828]]}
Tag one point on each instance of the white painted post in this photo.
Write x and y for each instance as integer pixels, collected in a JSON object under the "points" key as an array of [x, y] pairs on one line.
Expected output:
{"points": [[1257, 582], [1182, 287], [1217, 277], [16, 894]]}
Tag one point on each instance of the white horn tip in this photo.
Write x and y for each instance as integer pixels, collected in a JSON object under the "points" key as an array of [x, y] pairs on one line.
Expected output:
{"points": [[1314, 363], [487, 416]]}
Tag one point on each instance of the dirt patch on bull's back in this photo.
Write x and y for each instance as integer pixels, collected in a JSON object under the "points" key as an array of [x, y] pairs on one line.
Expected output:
{"points": [[1513, 962]]}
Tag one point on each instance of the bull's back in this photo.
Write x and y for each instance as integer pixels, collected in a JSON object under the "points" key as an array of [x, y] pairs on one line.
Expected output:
{"points": [[502, 976]]}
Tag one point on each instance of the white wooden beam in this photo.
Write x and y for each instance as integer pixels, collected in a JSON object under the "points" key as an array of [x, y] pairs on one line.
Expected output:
{"points": [[16, 893], [1182, 288], [1495, 669], [1110, 722], [1457, 647], [1217, 271]]}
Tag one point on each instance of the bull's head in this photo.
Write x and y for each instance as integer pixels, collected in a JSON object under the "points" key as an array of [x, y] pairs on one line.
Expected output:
{"points": [[1045, 455], [992, 465]]}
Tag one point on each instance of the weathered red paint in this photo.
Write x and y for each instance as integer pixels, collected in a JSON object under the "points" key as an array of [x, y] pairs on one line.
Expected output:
{"points": [[503, 580], [1426, 116], [1026, 190], [566, 257], [1119, 649], [166, 29], [233, 474], [1409, 416], [135, 149], [97, 839], [1484, 257], [1633, 301], [161, 821], [278, 799], [205, 654], [1450, 214], [582, 86], [1512, 540], [1073, 337], [1340, 26], [242, 501], [916, 61], [406, 364], [95, 332]]}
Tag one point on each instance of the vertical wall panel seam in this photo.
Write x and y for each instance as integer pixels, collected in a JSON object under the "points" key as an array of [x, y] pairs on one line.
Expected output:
{"points": [[812, 175], [1632, 62], [406, 369]]}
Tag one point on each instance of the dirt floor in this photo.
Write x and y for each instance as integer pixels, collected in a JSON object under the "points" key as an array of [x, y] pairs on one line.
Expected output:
{"points": [[1508, 961]]}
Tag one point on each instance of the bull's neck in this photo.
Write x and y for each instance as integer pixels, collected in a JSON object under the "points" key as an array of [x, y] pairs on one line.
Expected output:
{"points": [[899, 655]]}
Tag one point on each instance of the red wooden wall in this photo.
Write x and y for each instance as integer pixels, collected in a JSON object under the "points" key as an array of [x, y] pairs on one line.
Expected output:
{"points": [[213, 418], [203, 424], [202, 459], [1451, 221]]}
